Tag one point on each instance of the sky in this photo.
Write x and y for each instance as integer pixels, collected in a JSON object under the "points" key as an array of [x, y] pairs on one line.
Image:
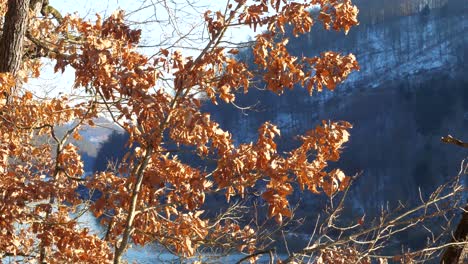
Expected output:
{"points": [[151, 16]]}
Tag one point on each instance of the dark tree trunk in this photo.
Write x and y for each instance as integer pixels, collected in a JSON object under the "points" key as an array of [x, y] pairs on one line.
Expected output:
{"points": [[458, 254], [14, 30]]}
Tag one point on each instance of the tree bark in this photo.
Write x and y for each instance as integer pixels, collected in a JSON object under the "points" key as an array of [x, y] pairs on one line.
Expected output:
{"points": [[458, 254], [120, 249], [14, 30]]}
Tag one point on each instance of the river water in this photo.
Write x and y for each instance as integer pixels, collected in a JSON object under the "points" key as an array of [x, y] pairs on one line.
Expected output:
{"points": [[155, 254]]}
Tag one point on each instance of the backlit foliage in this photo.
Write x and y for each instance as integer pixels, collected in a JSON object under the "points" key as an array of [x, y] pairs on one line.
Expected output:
{"points": [[154, 196]]}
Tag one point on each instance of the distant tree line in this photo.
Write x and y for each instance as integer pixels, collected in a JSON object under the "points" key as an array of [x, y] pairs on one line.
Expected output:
{"points": [[376, 11]]}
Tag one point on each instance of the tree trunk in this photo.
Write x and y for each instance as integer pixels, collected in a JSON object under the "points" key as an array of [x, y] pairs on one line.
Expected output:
{"points": [[14, 30], [139, 170], [454, 254]]}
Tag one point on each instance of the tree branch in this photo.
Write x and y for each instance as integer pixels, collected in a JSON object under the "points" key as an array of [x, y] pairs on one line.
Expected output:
{"points": [[451, 140]]}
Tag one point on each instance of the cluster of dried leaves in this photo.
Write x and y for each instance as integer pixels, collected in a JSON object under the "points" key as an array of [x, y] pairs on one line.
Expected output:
{"points": [[154, 196]]}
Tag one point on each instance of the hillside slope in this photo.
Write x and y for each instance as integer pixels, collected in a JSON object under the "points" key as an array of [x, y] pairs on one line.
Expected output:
{"points": [[411, 90]]}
